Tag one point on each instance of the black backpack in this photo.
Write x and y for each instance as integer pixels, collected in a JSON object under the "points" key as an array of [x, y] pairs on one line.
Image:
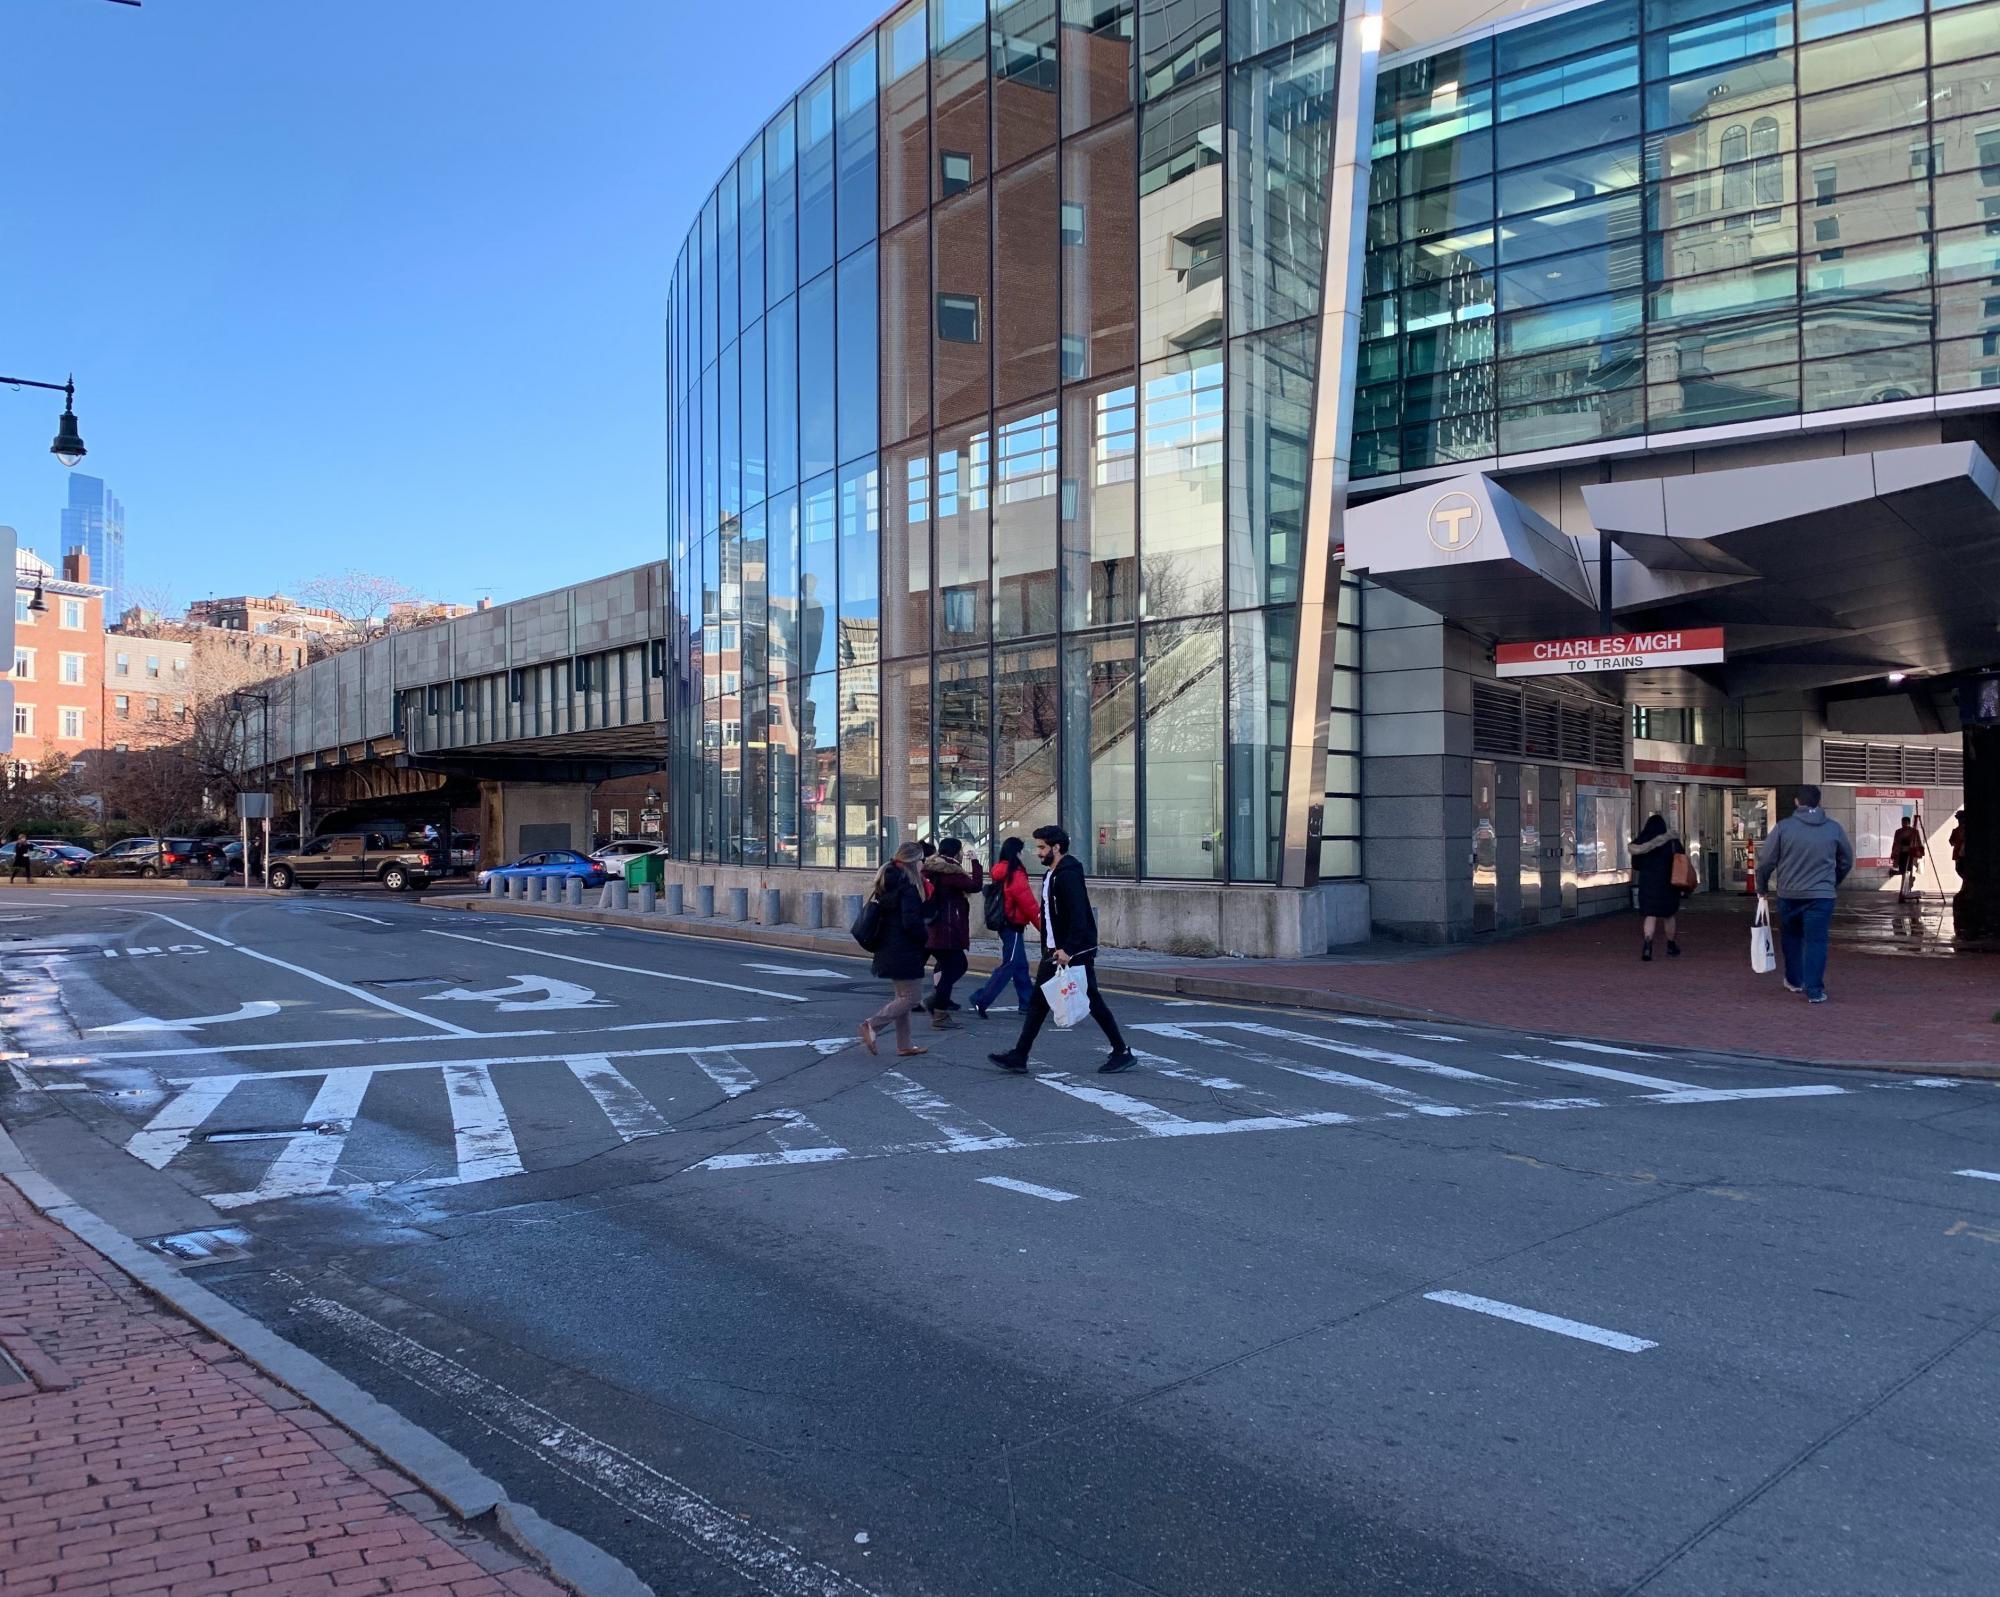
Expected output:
{"points": [[867, 927], [994, 895]]}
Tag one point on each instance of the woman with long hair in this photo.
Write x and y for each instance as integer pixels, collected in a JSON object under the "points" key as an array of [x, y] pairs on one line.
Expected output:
{"points": [[1021, 909], [1653, 852], [899, 956]]}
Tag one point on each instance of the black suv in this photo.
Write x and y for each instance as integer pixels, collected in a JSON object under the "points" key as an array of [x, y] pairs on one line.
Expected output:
{"points": [[143, 856], [354, 857]]}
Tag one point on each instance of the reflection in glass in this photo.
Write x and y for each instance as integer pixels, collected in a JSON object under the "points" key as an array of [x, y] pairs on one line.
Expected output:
{"points": [[781, 393], [1261, 674], [959, 352], [725, 257], [858, 343], [1024, 522], [1096, 61], [1259, 25], [906, 331], [960, 494], [1280, 143], [964, 755], [1027, 727], [1100, 452], [858, 203], [1100, 752], [781, 583], [958, 94], [1180, 510], [1098, 264], [906, 549], [1025, 293], [750, 361], [781, 218], [815, 144], [1180, 222], [816, 376], [1178, 40], [1182, 749], [785, 711], [1271, 413], [818, 546], [750, 231], [905, 151], [819, 772], [1025, 81], [906, 752]]}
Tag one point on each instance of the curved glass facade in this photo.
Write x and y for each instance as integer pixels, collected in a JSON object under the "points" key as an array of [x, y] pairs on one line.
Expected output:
{"points": [[993, 372]]}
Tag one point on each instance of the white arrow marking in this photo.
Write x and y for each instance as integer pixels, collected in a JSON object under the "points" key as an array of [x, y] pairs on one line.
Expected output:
{"points": [[256, 1009], [793, 970], [556, 994], [552, 931]]}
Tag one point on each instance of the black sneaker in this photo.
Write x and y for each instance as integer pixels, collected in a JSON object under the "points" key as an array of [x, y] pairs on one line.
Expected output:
{"points": [[1012, 1063], [1124, 1059]]}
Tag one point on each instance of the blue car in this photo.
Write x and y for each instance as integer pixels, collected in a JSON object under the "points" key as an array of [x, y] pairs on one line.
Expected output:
{"points": [[560, 864]]}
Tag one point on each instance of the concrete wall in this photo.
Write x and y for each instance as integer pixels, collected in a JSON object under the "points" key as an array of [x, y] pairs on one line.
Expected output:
{"points": [[517, 818]]}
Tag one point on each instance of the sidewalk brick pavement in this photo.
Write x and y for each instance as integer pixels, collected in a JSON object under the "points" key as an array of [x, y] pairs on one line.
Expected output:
{"points": [[141, 1457]]}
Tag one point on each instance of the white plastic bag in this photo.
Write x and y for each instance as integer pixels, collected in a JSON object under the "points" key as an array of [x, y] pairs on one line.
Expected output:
{"points": [[1763, 958], [1069, 998]]}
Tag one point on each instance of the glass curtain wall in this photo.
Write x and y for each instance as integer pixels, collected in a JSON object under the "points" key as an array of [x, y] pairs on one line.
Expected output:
{"points": [[998, 346], [1653, 215]]}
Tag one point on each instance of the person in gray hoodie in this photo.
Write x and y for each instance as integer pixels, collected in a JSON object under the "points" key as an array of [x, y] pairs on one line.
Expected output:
{"points": [[1801, 864]]}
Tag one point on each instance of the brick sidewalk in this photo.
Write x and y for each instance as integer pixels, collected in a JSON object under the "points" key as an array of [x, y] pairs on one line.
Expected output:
{"points": [[140, 1456]]}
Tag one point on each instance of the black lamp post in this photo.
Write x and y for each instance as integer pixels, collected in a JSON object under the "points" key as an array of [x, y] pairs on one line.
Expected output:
{"points": [[68, 447]]}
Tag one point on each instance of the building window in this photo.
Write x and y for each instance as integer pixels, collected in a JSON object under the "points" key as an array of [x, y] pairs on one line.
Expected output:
{"points": [[24, 720], [72, 614], [1072, 222], [123, 704], [1075, 356], [958, 318], [72, 669], [458, 697], [122, 664], [515, 679], [72, 725], [621, 823], [433, 700], [954, 172], [23, 616], [152, 665], [24, 665], [180, 709], [152, 709], [181, 666], [580, 675]]}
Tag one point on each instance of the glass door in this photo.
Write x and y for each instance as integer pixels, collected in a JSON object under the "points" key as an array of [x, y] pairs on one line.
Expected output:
{"points": [[1752, 812], [1485, 843], [1531, 844], [1568, 886]]}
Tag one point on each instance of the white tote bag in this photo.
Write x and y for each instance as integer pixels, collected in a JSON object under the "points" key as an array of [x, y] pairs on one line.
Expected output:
{"points": [[1763, 958], [1069, 999]]}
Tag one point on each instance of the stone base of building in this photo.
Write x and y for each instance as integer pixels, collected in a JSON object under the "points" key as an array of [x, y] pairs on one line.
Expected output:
{"points": [[1193, 919]]}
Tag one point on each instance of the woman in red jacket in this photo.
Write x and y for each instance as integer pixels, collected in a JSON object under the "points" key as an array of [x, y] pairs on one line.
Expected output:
{"points": [[1021, 909]]}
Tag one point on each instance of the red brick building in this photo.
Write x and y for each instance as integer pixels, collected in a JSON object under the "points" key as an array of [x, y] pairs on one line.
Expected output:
{"points": [[58, 667]]}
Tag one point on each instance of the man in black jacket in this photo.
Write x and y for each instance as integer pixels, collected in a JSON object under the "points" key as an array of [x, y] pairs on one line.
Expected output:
{"points": [[1069, 937]]}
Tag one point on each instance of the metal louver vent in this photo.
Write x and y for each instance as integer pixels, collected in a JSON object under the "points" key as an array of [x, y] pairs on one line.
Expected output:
{"points": [[1609, 740], [1843, 762], [1920, 765], [1542, 726], [1496, 719], [1891, 764], [1576, 722], [1885, 763], [1951, 767]]}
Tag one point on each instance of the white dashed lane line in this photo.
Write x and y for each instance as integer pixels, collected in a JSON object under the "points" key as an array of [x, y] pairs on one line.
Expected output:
{"points": [[1053, 1194], [1617, 1340], [1979, 1175]]}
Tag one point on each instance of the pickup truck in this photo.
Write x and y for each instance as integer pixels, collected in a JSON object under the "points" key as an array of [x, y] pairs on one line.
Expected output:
{"points": [[355, 857]]}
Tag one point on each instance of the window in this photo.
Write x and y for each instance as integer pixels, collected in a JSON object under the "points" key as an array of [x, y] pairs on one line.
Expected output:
{"points": [[24, 665], [152, 665], [954, 173], [516, 678], [458, 697], [180, 709], [181, 666], [153, 709], [72, 615], [958, 318], [23, 616], [580, 675], [24, 720], [433, 700], [1072, 222], [72, 668], [121, 664], [72, 725], [123, 704]]}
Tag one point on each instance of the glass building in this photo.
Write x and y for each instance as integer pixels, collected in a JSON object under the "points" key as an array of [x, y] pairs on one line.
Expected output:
{"points": [[1024, 370], [94, 522]]}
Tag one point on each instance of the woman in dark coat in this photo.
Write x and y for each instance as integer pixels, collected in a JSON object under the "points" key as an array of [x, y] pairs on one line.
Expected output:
{"points": [[1653, 852], [899, 956], [950, 879]]}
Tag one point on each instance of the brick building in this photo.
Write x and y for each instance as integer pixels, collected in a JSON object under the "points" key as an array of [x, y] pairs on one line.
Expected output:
{"points": [[58, 670], [157, 673], [272, 615]]}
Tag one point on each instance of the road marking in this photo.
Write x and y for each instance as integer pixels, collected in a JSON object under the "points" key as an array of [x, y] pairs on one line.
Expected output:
{"points": [[793, 970], [393, 1042], [1157, 1122], [176, 1120], [1543, 1322], [345, 914], [630, 970], [1334, 1078], [1979, 1175], [1413, 1101], [631, 1113], [1380, 1056], [479, 1125], [556, 994], [1665, 1091], [310, 1158], [764, 1562], [1597, 1048], [799, 1142], [694, 1050], [325, 981], [256, 1009], [964, 1132], [1605, 1073], [1366, 1023], [727, 1072], [1053, 1194]]}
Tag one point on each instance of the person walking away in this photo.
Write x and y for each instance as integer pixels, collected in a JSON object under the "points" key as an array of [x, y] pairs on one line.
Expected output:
{"points": [[1906, 848], [899, 952], [950, 877], [1653, 852], [1020, 909], [1069, 938], [24, 860], [1801, 865], [1957, 842]]}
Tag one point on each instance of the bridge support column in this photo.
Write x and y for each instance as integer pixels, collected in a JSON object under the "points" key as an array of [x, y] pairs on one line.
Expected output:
{"points": [[517, 818], [1977, 905]]}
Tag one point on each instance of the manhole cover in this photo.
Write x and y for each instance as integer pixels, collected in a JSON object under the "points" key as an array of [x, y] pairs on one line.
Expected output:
{"points": [[402, 981], [201, 1247]]}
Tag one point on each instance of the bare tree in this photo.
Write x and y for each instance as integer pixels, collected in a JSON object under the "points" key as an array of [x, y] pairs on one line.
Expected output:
{"points": [[365, 601], [45, 799], [162, 790]]}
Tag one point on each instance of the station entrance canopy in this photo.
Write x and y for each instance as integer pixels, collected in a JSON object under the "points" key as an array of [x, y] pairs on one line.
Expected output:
{"points": [[1819, 572]]}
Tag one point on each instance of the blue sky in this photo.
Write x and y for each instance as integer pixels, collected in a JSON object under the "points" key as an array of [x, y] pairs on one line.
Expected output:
{"points": [[373, 284]]}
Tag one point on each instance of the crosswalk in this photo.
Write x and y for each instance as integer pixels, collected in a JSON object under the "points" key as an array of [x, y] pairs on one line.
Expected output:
{"points": [[259, 1137]]}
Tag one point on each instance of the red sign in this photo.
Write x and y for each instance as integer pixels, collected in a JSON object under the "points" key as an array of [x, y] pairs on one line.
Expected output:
{"points": [[1624, 651], [1723, 773], [1889, 792]]}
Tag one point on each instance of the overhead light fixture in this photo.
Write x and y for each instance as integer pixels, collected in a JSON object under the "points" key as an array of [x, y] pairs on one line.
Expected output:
{"points": [[38, 604], [1898, 677]]}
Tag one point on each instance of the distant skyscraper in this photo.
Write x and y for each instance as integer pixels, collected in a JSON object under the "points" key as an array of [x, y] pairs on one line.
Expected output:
{"points": [[95, 523]]}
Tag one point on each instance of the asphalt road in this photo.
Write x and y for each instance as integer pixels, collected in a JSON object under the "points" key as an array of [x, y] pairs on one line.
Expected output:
{"points": [[1303, 1305]]}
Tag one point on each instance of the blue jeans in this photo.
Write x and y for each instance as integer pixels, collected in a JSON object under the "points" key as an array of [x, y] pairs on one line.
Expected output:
{"points": [[1014, 964], [1803, 924]]}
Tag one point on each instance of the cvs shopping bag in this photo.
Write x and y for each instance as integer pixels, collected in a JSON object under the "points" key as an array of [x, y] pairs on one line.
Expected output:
{"points": [[1763, 958], [1069, 998]]}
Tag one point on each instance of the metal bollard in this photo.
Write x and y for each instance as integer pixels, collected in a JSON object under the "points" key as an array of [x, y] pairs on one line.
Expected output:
{"points": [[773, 908], [496, 887], [676, 898], [534, 887], [574, 896], [621, 895], [739, 903], [704, 901], [851, 907], [649, 898], [815, 911]]}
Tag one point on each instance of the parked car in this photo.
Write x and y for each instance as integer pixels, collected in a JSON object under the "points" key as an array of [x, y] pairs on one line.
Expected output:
{"points": [[464, 852], [58, 859], [558, 864], [614, 855], [352, 858], [143, 856]]}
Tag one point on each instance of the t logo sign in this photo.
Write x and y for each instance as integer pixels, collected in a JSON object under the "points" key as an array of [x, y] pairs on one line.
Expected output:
{"points": [[1454, 522]]}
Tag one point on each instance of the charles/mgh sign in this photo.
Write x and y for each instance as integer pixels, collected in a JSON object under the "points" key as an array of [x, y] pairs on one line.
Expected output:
{"points": [[1624, 651]]}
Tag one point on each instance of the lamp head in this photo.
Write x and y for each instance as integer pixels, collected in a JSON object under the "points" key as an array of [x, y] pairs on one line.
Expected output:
{"points": [[68, 447]]}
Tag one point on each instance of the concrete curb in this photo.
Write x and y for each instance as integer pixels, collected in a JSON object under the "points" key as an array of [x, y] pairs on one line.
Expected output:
{"points": [[1146, 982], [434, 1464]]}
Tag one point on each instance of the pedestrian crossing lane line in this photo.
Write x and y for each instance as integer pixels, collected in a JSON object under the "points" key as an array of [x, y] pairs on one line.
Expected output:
{"points": [[1661, 1090], [722, 1067], [484, 1138], [631, 1113], [1158, 1122], [1377, 1056], [799, 1141], [1029, 1189], [1577, 1329], [964, 1133], [177, 1120], [309, 1158], [1402, 1097], [1979, 1175]]}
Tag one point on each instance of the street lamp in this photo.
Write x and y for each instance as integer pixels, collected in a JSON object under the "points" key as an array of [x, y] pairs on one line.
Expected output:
{"points": [[68, 447]]}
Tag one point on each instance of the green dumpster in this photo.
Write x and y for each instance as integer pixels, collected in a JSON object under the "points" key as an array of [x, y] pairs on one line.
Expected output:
{"points": [[641, 869]]}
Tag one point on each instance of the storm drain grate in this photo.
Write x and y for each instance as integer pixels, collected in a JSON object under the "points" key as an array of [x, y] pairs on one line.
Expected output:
{"points": [[403, 981]]}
